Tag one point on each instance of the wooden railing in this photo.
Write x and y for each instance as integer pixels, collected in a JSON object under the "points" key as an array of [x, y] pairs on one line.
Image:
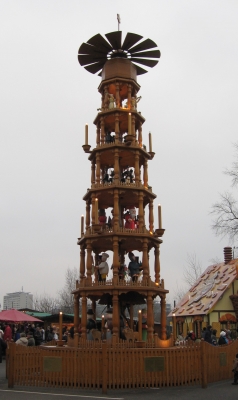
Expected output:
{"points": [[97, 364]]}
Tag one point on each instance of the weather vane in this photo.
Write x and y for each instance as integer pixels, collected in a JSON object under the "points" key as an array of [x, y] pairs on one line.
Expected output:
{"points": [[119, 21]]}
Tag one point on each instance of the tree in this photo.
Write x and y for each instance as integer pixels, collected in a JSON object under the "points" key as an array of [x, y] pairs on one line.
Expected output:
{"points": [[46, 303], [66, 298], [64, 301], [226, 209], [191, 273]]}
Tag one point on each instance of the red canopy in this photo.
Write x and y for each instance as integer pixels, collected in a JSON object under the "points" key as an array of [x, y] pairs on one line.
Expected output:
{"points": [[17, 316]]}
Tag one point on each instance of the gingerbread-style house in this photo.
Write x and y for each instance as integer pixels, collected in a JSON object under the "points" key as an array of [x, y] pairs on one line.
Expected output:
{"points": [[212, 300]]}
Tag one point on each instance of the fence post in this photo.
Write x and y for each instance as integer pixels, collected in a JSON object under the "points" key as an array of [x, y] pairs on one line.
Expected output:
{"points": [[203, 365], [11, 360], [104, 368]]}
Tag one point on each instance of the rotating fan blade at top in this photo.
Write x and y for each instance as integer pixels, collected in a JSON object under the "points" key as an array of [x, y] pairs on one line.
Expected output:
{"points": [[93, 68], [115, 39], [97, 51], [139, 70], [145, 45], [100, 43], [147, 54], [148, 63], [130, 40]]}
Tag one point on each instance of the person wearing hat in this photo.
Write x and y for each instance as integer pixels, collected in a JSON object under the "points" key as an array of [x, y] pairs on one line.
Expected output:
{"points": [[235, 370], [23, 340], [91, 324], [192, 336], [103, 267], [133, 267], [222, 339]]}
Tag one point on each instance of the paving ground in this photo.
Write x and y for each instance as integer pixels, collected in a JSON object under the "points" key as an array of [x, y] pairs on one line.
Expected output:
{"points": [[219, 391]]}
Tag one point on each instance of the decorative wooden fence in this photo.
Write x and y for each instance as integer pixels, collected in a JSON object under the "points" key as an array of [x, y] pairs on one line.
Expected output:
{"points": [[98, 365]]}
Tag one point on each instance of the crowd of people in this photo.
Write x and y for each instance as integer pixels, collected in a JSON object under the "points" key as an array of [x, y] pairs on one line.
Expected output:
{"points": [[209, 335], [29, 335]]}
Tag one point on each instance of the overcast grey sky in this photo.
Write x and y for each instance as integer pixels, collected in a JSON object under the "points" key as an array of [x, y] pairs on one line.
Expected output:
{"points": [[189, 101]]}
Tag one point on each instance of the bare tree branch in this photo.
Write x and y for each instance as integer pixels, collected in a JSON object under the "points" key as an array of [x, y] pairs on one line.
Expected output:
{"points": [[233, 172], [46, 303], [226, 212], [193, 270], [66, 298], [191, 273]]}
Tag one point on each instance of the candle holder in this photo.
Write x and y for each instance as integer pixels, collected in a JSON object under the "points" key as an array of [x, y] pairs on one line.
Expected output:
{"points": [[159, 232], [86, 148], [151, 153]]}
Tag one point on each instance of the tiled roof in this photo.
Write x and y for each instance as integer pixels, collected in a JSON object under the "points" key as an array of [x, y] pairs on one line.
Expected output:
{"points": [[207, 290]]}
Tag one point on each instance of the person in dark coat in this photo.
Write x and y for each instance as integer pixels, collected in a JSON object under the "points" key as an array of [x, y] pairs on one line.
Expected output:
{"points": [[208, 334], [91, 324], [30, 338], [235, 370], [3, 347], [133, 267], [222, 339]]}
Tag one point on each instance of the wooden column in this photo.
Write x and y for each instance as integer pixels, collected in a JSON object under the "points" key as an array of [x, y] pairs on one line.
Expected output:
{"points": [[89, 261], [94, 307], [150, 317], [92, 172], [115, 314], [157, 264], [116, 167], [82, 262], [87, 220], [163, 317], [93, 209], [102, 141], [140, 134], [117, 128], [76, 314], [133, 126], [115, 257], [84, 317], [151, 216], [98, 168], [118, 95], [145, 174], [105, 103], [174, 328], [98, 135], [141, 212], [129, 96], [145, 262], [137, 167], [116, 211]]}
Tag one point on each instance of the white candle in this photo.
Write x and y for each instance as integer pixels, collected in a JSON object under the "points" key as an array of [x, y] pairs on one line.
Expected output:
{"points": [[150, 142], [86, 134], [96, 211], [140, 325], [60, 325], [159, 216], [129, 124]]}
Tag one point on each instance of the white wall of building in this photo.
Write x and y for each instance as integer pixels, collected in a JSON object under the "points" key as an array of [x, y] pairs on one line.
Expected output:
{"points": [[18, 300]]}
